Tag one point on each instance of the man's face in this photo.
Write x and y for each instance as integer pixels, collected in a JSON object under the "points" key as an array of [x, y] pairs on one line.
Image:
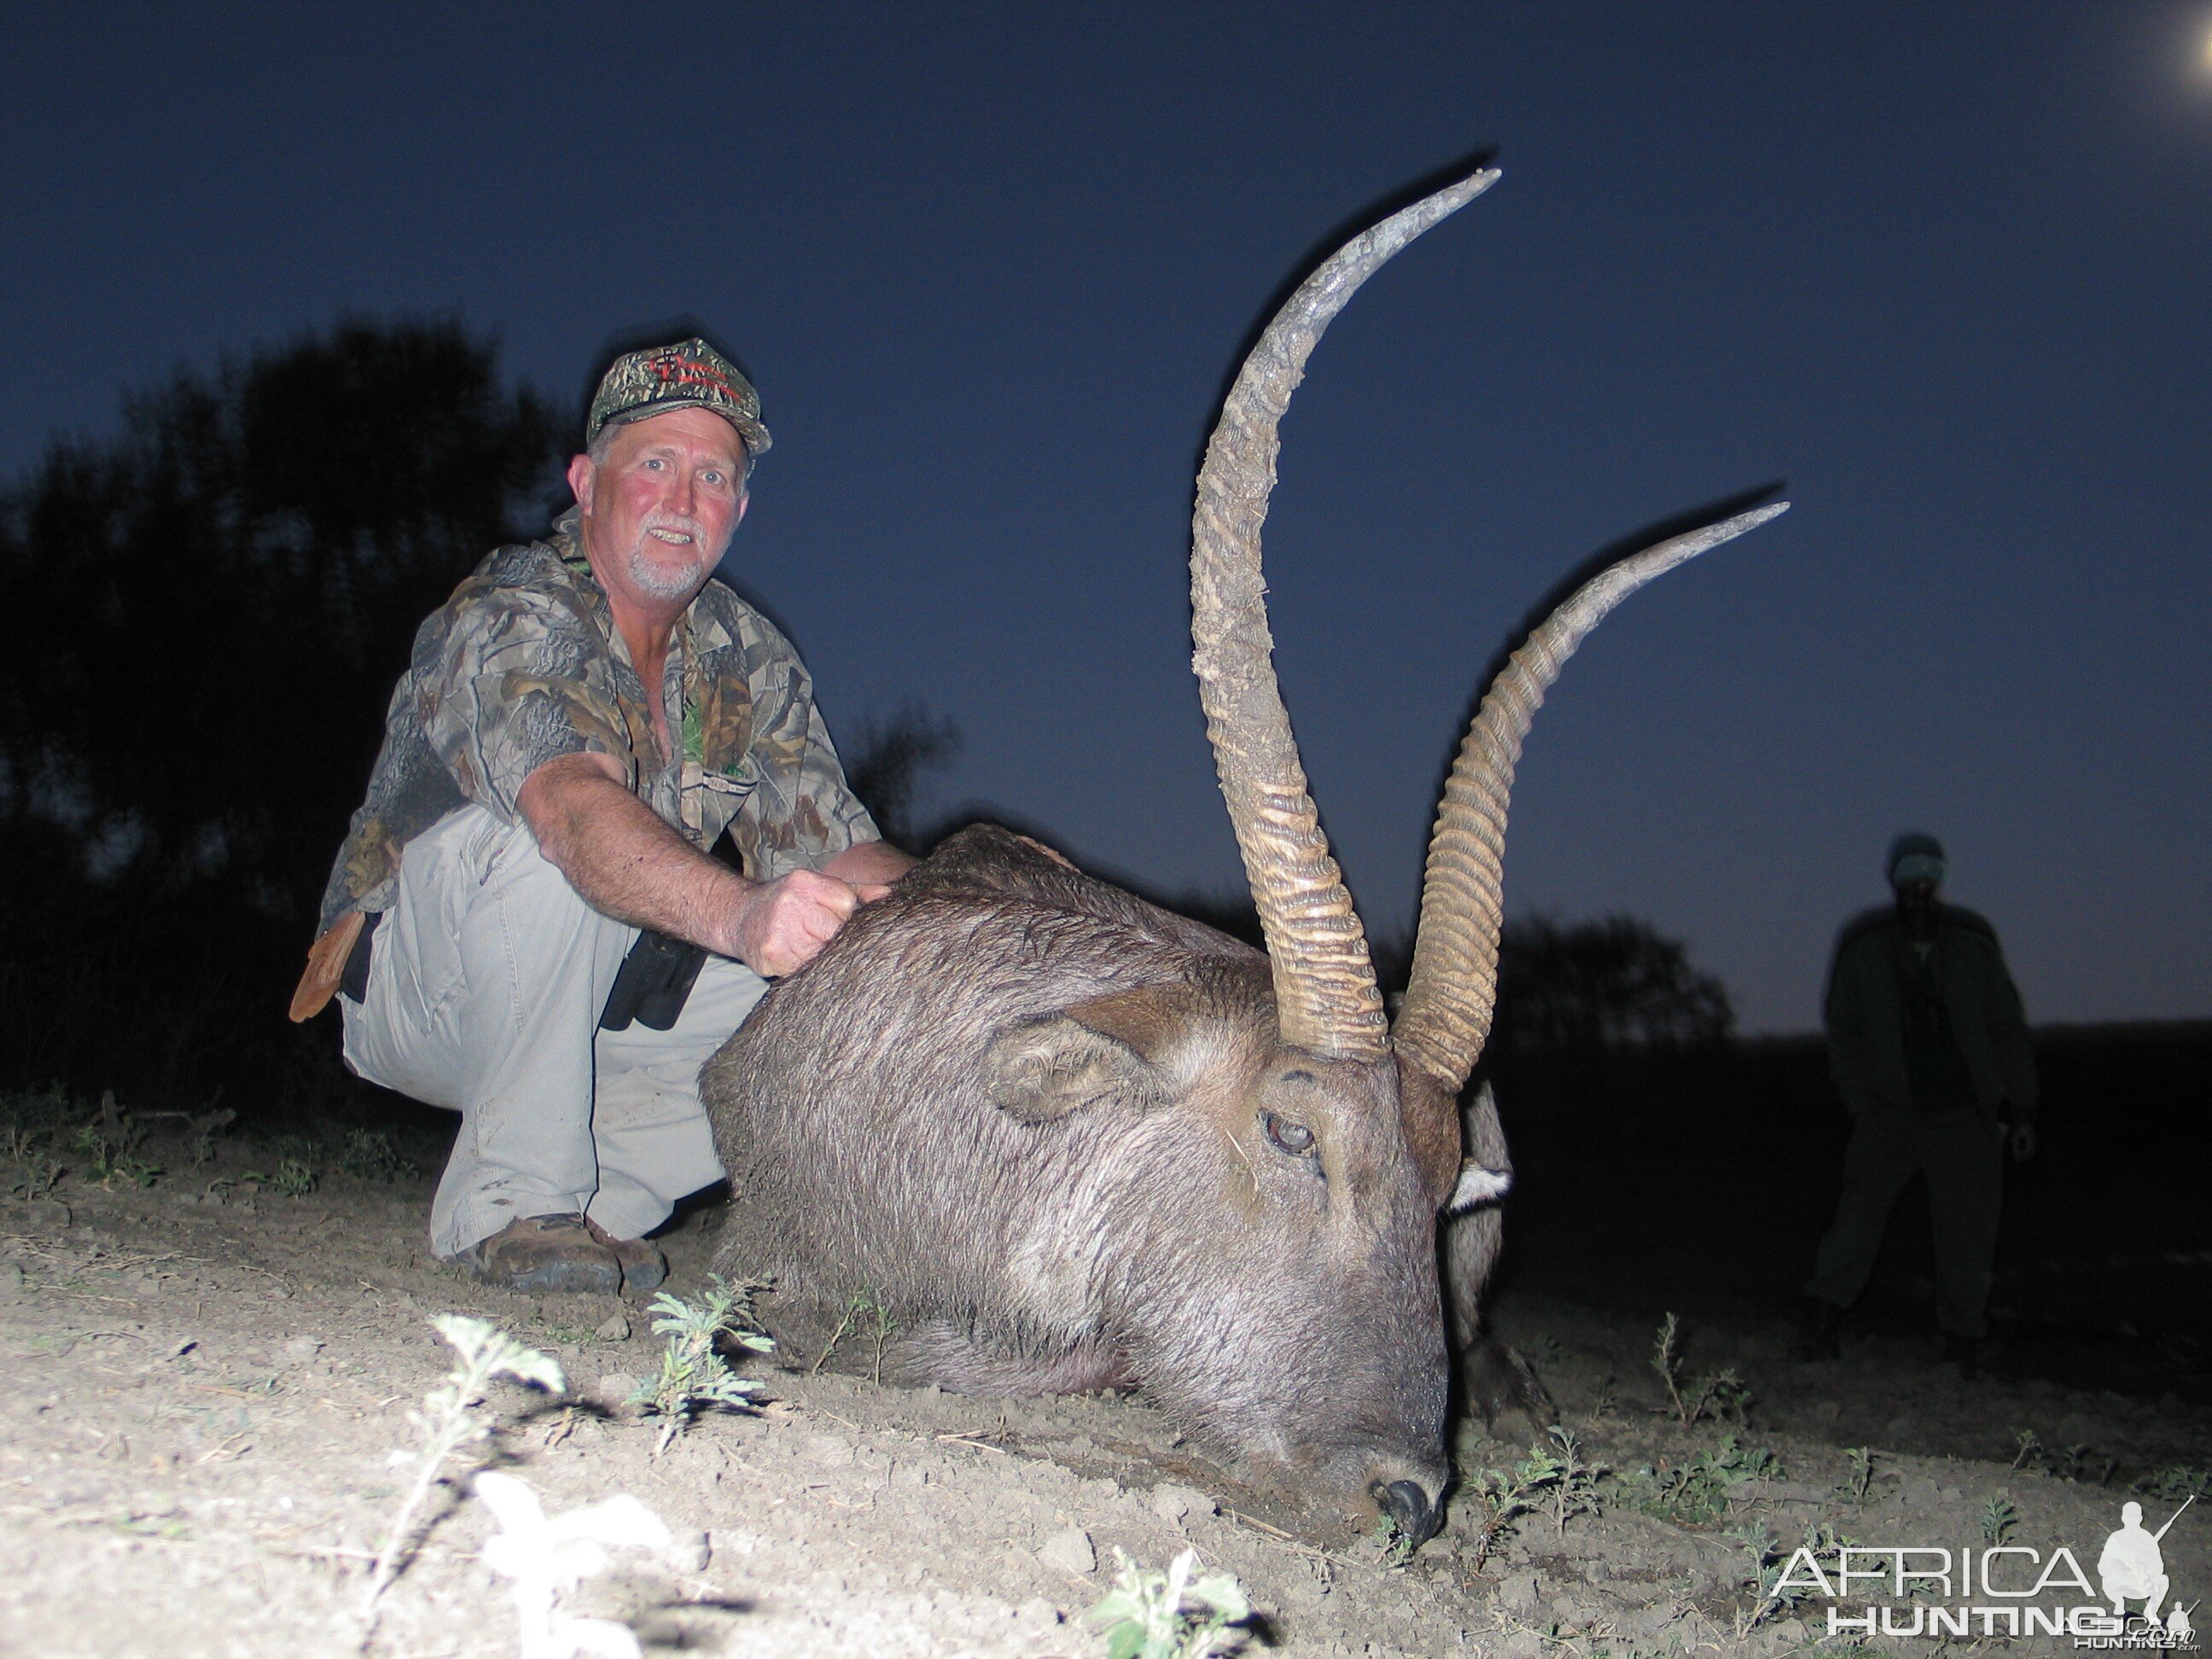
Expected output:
{"points": [[1917, 904], [659, 507]]}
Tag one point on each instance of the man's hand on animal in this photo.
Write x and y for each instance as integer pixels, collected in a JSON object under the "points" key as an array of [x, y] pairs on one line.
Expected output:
{"points": [[626, 863], [785, 923]]}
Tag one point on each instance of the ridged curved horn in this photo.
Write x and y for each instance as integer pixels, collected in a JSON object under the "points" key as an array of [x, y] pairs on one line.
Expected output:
{"points": [[1325, 995], [1445, 1017]]}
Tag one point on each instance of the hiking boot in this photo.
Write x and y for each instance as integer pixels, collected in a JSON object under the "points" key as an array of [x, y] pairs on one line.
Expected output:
{"points": [[1819, 1331], [643, 1267], [545, 1252], [1965, 1353]]}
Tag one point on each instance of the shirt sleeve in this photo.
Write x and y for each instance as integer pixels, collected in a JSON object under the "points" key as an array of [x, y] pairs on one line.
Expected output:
{"points": [[508, 691], [801, 813]]}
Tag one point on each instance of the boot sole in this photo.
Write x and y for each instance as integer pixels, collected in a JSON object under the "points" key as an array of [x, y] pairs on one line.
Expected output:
{"points": [[568, 1277]]}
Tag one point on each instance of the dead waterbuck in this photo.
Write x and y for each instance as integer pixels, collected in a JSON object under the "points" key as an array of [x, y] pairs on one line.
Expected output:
{"points": [[1065, 1138]]}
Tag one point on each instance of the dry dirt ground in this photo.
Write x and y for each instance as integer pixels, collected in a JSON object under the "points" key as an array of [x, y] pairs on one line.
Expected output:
{"points": [[205, 1391]]}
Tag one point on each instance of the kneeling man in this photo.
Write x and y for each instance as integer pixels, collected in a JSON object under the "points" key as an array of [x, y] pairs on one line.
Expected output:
{"points": [[578, 725]]}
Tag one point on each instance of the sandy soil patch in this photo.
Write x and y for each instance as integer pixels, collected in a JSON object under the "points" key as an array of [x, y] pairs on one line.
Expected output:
{"points": [[205, 1393]]}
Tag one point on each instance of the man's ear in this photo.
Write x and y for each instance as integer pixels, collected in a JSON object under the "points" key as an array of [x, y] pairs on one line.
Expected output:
{"points": [[1108, 1048], [583, 473]]}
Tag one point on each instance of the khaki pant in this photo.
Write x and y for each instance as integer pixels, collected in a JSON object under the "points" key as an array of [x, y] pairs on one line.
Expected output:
{"points": [[1962, 1155], [486, 983]]}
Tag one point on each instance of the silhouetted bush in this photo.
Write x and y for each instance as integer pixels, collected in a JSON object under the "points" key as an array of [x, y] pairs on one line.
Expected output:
{"points": [[886, 762]]}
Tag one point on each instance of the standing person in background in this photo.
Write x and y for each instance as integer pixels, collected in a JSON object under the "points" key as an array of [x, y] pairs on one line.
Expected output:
{"points": [[1928, 1047]]}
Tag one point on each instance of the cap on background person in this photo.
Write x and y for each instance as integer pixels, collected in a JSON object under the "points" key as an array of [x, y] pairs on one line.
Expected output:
{"points": [[1916, 856], [688, 374]]}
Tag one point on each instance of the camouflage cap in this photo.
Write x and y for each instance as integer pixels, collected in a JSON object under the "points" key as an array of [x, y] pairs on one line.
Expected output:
{"points": [[689, 374]]}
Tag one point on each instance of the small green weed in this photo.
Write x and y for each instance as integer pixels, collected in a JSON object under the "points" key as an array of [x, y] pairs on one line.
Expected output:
{"points": [[1396, 1547], [2030, 1449], [2175, 1483], [1574, 1489], [108, 1164], [369, 1155], [201, 1132], [881, 1327], [1498, 1498], [693, 1374], [1858, 1477], [1603, 1408], [1999, 1517], [1696, 1493], [33, 1177], [449, 1419], [867, 1313], [1770, 1565], [2082, 1462], [108, 1144], [290, 1170], [32, 1118], [544, 1555], [1720, 1394], [1172, 1615], [45, 1109], [291, 1177]]}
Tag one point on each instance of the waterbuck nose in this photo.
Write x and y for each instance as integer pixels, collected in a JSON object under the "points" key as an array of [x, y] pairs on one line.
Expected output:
{"points": [[1417, 1515]]}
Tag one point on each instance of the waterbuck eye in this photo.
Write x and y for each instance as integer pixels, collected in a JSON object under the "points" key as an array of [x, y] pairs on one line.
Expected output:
{"points": [[1293, 1137]]}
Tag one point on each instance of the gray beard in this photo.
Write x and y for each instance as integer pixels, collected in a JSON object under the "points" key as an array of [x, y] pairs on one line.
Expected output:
{"points": [[658, 581]]}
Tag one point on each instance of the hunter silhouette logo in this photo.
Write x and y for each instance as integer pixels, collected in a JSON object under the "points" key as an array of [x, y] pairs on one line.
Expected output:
{"points": [[2132, 1567], [2005, 1589]]}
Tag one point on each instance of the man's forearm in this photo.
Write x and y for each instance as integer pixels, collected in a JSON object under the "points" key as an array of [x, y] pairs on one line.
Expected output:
{"points": [[624, 862], [869, 862]]}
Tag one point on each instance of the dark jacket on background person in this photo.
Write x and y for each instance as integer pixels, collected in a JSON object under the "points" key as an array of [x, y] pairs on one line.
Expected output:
{"points": [[1869, 1006]]}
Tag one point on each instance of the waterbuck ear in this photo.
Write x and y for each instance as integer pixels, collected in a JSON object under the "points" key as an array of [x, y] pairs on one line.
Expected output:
{"points": [[1107, 1049]]}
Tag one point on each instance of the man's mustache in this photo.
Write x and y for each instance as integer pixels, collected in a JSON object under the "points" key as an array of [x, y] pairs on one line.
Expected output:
{"points": [[675, 522]]}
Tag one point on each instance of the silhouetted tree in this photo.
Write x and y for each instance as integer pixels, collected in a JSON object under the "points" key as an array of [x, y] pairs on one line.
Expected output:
{"points": [[211, 608], [219, 599], [1580, 988]]}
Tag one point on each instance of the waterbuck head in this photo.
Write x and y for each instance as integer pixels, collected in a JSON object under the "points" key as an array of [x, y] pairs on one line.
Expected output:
{"points": [[1340, 1132]]}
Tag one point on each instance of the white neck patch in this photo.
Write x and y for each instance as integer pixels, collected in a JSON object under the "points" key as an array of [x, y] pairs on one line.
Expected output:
{"points": [[1477, 1184]]}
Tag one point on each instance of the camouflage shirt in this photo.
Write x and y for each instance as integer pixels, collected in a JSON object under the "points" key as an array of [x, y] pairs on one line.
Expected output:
{"points": [[524, 665]]}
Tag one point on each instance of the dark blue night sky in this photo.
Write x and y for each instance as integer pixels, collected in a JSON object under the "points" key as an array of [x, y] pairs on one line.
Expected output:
{"points": [[1943, 268]]}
